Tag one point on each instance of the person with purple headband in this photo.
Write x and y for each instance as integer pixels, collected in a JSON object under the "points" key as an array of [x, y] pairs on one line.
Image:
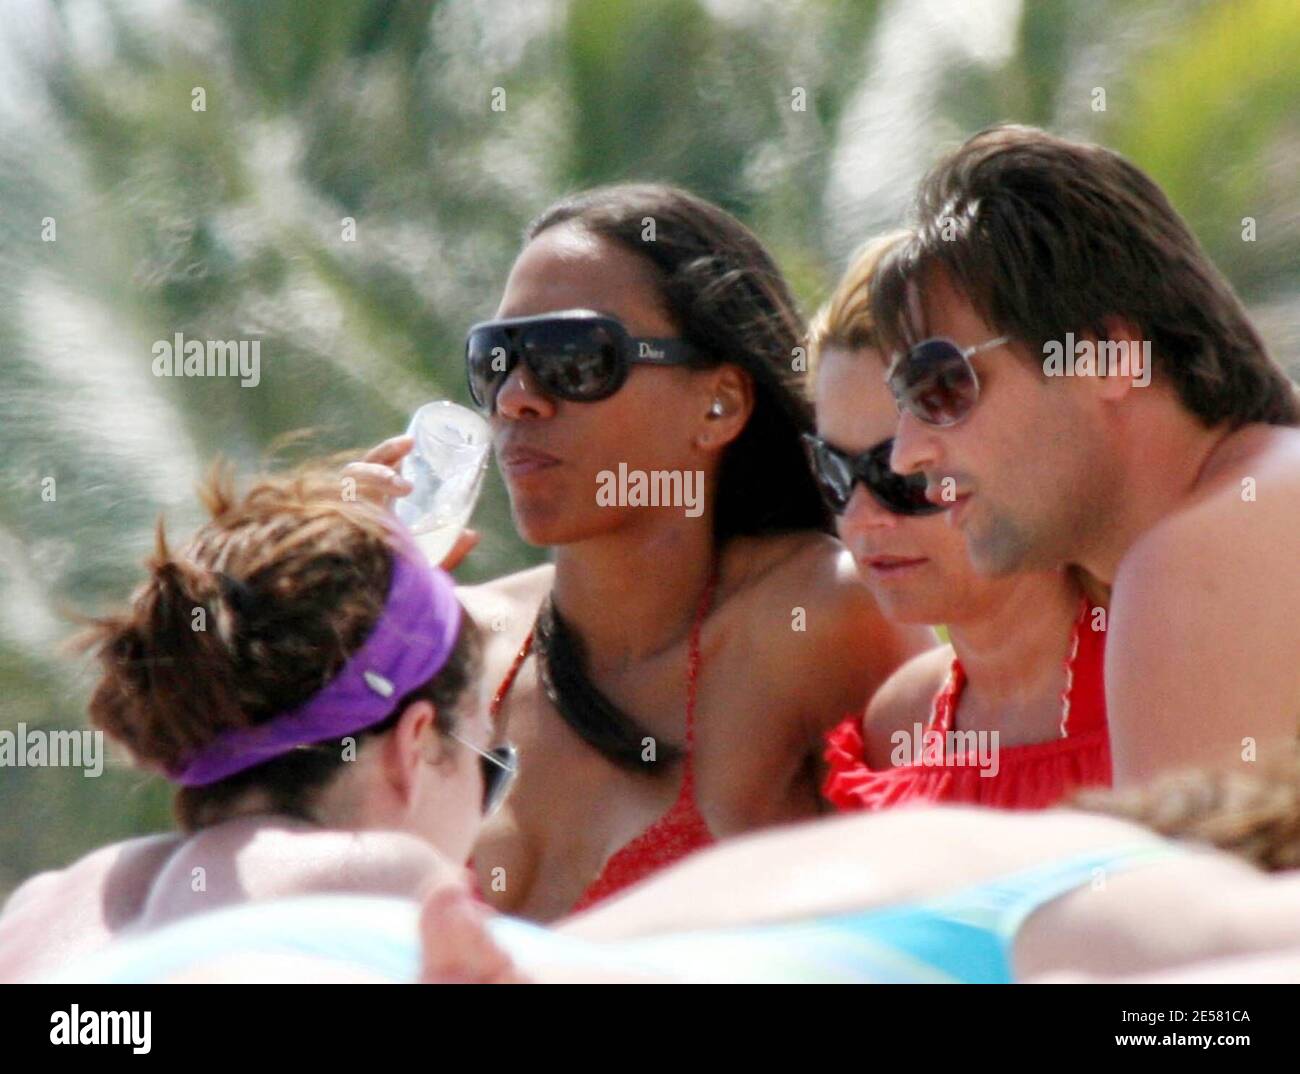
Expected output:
{"points": [[311, 686], [309, 683], [411, 641]]}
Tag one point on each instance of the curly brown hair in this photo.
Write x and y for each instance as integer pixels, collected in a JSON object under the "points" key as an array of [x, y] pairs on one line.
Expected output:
{"points": [[1252, 814], [257, 613]]}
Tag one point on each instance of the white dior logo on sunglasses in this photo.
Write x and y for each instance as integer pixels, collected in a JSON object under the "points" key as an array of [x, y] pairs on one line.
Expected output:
{"points": [[644, 350]]}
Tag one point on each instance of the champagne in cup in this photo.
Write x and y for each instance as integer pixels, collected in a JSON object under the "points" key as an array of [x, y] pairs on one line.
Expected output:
{"points": [[446, 467]]}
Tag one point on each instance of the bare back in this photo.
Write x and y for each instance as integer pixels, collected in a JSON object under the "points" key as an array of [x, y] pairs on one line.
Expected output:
{"points": [[145, 883]]}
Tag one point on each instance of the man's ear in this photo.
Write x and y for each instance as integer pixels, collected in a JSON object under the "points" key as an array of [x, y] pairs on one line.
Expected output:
{"points": [[1124, 355], [729, 403]]}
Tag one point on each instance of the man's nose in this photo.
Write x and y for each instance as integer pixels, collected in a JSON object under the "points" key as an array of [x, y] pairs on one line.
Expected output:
{"points": [[915, 447]]}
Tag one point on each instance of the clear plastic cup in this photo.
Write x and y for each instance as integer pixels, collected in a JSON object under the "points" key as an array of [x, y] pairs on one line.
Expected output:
{"points": [[446, 468]]}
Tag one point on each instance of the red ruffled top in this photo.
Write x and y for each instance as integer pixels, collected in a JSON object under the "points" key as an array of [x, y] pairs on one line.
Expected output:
{"points": [[1032, 776]]}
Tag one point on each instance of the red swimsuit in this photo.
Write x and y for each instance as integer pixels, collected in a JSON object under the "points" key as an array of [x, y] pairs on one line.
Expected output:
{"points": [[1031, 776], [681, 830]]}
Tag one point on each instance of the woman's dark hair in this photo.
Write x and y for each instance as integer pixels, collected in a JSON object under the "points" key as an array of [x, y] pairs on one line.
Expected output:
{"points": [[728, 298], [1045, 236], [257, 614]]}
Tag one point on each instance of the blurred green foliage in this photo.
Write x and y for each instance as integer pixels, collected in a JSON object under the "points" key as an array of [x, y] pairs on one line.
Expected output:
{"points": [[228, 223]]}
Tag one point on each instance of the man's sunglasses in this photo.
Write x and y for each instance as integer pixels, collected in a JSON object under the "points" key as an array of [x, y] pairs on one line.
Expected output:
{"points": [[935, 380], [500, 766], [578, 355], [837, 473]]}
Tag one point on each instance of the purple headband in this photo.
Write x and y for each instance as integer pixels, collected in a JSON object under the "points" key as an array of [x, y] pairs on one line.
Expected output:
{"points": [[409, 644]]}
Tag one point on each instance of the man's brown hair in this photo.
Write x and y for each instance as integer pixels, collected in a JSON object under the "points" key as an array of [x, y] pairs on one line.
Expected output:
{"points": [[1045, 236]]}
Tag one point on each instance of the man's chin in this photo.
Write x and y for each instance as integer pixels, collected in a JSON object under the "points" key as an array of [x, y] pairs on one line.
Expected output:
{"points": [[995, 553]]}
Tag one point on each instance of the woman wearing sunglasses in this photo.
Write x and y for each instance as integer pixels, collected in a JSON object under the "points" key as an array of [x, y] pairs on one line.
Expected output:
{"points": [[309, 684], [1012, 712], [669, 678]]}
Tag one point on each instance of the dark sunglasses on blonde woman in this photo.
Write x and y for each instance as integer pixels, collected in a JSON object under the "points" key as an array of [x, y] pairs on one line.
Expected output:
{"points": [[837, 472]]}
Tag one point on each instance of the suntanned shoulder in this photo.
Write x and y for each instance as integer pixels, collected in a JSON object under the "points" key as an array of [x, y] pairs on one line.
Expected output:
{"points": [[807, 584], [1246, 496], [1200, 653], [507, 605], [780, 557], [807, 570], [817, 615], [843, 618], [1267, 455], [904, 699]]}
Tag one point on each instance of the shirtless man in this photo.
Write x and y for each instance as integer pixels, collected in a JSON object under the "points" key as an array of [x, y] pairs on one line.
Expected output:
{"points": [[1177, 483]]}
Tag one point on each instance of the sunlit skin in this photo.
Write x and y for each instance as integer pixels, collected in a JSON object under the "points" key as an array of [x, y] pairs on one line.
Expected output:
{"points": [[1194, 527], [629, 580], [398, 820], [1012, 633], [1197, 916]]}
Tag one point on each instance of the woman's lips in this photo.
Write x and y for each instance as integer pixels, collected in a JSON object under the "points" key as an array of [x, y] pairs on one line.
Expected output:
{"points": [[892, 566], [520, 462]]}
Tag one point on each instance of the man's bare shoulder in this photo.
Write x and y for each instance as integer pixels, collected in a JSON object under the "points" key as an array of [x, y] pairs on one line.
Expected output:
{"points": [[1257, 465], [1200, 649], [1244, 510]]}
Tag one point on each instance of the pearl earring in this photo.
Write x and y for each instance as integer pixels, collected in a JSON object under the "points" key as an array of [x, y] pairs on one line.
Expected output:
{"points": [[716, 408]]}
